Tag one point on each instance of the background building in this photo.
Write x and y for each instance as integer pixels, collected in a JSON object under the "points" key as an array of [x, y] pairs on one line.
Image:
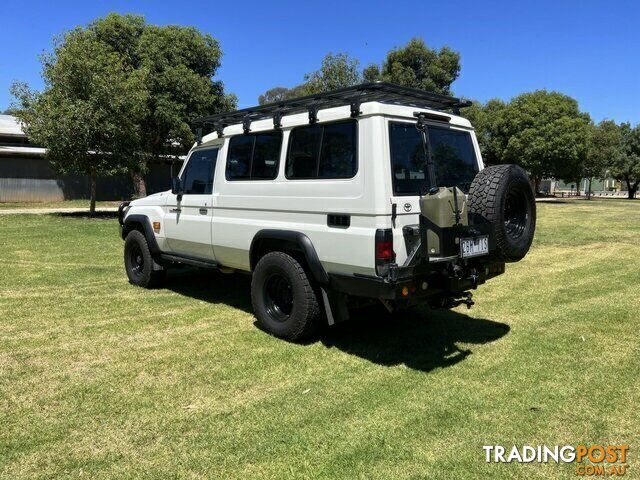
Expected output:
{"points": [[25, 174]]}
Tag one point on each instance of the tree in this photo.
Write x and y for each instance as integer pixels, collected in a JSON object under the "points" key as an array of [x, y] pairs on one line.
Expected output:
{"points": [[336, 71], [276, 94], [88, 117], [604, 146], [488, 122], [542, 131], [416, 65], [179, 64], [625, 167], [165, 72]]}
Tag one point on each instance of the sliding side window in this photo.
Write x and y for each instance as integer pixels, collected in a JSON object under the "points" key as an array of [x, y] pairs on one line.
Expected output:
{"points": [[323, 151], [254, 156]]}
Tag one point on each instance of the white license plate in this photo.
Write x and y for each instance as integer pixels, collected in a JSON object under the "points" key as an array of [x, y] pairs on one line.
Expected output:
{"points": [[472, 247]]}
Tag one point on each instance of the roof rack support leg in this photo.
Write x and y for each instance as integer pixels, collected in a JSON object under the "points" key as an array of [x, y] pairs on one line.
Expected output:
{"points": [[277, 120], [246, 124], [313, 114], [355, 109]]}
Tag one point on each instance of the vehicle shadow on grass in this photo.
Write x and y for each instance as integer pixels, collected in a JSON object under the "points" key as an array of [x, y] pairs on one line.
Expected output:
{"points": [[211, 286], [421, 338]]}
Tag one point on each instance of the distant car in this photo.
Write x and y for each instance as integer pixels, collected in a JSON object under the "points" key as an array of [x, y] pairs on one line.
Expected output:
{"points": [[369, 192]]}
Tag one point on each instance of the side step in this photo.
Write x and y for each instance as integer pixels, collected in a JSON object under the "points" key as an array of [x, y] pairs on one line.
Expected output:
{"points": [[194, 262]]}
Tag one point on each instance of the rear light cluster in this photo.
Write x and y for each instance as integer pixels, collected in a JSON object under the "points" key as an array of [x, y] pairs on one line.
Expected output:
{"points": [[384, 251]]}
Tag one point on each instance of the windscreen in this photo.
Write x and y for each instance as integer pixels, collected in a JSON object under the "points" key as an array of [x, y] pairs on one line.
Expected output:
{"points": [[451, 150]]}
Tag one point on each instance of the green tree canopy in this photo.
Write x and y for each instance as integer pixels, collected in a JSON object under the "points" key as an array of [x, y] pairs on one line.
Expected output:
{"points": [[416, 65], [88, 117], [337, 71], [605, 145], [542, 131], [625, 167], [173, 68]]}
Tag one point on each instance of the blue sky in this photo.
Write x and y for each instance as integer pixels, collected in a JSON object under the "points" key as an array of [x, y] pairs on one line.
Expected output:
{"points": [[587, 49]]}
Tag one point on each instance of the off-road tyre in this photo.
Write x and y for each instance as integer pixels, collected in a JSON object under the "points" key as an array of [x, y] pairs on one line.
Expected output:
{"points": [[138, 262], [283, 297], [502, 195]]}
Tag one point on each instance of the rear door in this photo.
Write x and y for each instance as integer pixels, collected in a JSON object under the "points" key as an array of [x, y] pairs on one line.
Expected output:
{"points": [[188, 216], [455, 163]]}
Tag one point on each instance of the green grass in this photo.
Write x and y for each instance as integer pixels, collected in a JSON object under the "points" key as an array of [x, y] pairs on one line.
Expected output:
{"points": [[99, 379], [59, 204]]}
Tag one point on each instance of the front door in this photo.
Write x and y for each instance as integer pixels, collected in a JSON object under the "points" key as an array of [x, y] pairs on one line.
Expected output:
{"points": [[188, 216]]}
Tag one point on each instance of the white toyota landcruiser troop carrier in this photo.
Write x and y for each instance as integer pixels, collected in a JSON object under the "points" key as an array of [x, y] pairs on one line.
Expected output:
{"points": [[371, 192]]}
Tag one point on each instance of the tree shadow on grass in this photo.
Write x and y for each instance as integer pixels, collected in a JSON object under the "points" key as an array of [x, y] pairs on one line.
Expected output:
{"points": [[421, 338], [86, 215]]}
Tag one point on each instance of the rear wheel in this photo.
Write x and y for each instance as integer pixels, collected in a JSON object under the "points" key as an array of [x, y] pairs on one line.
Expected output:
{"points": [[284, 300], [138, 262]]}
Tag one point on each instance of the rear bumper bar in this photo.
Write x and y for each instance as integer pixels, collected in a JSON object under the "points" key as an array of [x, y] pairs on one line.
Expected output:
{"points": [[410, 287]]}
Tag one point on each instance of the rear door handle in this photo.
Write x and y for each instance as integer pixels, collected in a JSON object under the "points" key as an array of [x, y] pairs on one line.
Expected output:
{"points": [[203, 211], [175, 210]]}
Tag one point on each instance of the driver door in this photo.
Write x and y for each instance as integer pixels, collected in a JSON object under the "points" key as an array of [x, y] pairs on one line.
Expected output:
{"points": [[188, 216]]}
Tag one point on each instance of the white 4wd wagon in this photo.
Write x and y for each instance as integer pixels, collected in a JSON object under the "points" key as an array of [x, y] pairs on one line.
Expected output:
{"points": [[370, 192]]}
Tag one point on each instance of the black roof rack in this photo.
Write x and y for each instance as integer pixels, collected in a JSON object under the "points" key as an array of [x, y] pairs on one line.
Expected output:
{"points": [[354, 96]]}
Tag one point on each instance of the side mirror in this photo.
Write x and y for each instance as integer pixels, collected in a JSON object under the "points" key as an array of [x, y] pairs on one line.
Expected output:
{"points": [[176, 186]]}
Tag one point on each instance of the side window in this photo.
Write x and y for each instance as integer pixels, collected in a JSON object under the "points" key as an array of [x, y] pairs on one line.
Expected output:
{"points": [[254, 156], [197, 177], [323, 151], [239, 157]]}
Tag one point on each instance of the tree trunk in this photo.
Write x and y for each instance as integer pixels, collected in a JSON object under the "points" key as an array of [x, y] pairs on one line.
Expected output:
{"points": [[139, 185], [589, 190], [536, 184], [632, 189], [92, 204]]}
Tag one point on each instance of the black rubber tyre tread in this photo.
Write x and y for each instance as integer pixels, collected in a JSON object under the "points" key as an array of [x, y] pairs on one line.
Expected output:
{"points": [[486, 199], [304, 318], [150, 278]]}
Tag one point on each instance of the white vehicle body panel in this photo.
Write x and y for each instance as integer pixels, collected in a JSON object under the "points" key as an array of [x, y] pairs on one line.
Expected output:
{"points": [[238, 209]]}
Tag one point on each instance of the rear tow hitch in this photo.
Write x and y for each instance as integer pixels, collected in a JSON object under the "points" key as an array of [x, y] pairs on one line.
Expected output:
{"points": [[465, 298]]}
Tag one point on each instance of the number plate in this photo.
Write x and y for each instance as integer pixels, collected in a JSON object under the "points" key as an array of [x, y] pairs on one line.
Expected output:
{"points": [[472, 247]]}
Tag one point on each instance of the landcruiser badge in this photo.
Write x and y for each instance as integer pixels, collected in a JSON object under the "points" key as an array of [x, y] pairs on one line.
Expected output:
{"points": [[407, 207]]}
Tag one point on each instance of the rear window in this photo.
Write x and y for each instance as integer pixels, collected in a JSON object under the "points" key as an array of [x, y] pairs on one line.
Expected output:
{"points": [[254, 156], [322, 151], [452, 152]]}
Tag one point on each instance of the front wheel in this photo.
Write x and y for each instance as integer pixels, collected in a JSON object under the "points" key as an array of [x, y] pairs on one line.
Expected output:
{"points": [[138, 262], [283, 298]]}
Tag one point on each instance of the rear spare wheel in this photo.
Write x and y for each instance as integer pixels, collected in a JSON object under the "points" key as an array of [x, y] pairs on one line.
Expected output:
{"points": [[502, 195]]}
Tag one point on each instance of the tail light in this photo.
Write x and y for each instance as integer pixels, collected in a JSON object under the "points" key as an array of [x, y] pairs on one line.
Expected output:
{"points": [[384, 251]]}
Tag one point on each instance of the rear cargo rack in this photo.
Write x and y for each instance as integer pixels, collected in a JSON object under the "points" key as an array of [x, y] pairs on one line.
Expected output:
{"points": [[353, 96]]}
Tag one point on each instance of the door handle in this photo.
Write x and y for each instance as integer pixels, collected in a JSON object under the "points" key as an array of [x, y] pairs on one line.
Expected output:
{"points": [[203, 211], [175, 210]]}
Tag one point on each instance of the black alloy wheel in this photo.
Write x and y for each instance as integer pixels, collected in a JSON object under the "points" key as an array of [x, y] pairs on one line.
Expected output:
{"points": [[516, 213], [278, 297]]}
